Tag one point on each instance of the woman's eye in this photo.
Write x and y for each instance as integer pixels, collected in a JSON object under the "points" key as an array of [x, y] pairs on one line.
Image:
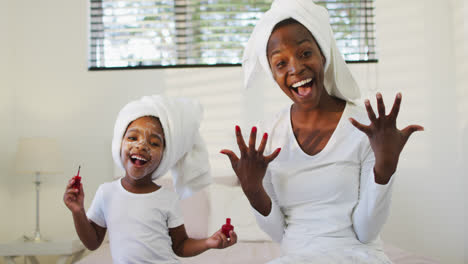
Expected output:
{"points": [[155, 144], [307, 53], [131, 138]]}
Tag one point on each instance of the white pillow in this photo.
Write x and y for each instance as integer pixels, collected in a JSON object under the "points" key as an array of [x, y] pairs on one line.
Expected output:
{"points": [[230, 202]]}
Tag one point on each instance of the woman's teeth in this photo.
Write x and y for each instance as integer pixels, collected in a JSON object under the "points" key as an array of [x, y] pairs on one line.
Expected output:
{"points": [[301, 83]]}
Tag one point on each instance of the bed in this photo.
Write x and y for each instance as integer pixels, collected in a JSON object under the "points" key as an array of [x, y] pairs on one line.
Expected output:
{"points": [[204, 215]]}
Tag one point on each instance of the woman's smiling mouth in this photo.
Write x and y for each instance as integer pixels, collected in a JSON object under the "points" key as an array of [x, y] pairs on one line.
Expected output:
{"points": [[304, 87]]}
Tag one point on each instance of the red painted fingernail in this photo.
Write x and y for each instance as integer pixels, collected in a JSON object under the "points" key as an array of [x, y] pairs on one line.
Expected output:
{"points": [[222, 152], [278, 149], [254, 129], [237, 128], [265, 136]]}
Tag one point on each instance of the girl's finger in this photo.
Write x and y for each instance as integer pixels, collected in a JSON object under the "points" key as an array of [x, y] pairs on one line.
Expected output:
{"points": [[273, 155], [370, 111], [261, 148], [380, 105], [72, 191], [219, 240], [233, 238], [252, 140], [70, 184], [363, 128], [396, 108], [224, 240], [241, 142]]}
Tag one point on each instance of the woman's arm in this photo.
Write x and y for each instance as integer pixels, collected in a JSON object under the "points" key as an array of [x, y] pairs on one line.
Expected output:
{"points": [[373, 207], [271, 222], [378, 167], [250, 169], [184, 246]]}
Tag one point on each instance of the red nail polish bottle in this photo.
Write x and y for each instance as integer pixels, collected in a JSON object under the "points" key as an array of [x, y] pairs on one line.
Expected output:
{"points": [[226, 228], [77, 179]]}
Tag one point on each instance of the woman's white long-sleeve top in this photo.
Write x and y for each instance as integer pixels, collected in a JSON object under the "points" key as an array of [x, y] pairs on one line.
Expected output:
{"points": [[328, 202]]}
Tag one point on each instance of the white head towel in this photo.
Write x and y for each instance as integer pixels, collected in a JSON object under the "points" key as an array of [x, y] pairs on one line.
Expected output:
{"points": [[338, 81], [185, 152]]}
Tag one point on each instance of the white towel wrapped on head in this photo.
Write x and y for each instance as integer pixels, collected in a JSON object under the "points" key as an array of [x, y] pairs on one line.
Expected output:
{"points": [[185, 152], [338, 81]]}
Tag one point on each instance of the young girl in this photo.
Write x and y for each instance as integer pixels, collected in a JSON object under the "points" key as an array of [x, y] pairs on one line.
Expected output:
{"points": [[151, 136]]}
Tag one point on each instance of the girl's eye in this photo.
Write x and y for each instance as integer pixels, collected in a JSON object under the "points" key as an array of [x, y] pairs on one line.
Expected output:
{"points": [[131, 138], [155, 144], [280, 64]]}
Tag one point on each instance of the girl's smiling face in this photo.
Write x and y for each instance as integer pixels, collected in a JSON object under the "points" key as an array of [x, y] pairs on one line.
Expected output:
{"points": [[142, 147], [296, 63]]}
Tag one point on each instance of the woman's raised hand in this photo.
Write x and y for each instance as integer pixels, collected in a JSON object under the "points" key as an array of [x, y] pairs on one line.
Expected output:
{"points": [[251, 167], [386, 140]]}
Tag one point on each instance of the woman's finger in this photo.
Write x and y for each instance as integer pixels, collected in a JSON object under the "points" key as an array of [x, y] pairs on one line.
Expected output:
{"points": [[370, 111], [363, 128], [252, 140], [380, 105], [273, 155], [241, 142], [396, 108], [261, 148], [407, 131], [231, 155]]}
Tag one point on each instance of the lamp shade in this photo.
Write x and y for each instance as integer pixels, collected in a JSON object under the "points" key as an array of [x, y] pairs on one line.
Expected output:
{"points": [[38, 155]]}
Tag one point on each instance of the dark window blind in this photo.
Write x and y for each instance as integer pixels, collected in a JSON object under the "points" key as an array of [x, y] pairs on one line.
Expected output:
{"points": [[165, 33]]}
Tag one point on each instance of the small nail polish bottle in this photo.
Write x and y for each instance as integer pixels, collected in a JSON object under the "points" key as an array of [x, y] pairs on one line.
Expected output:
{"points": [[77, 179], [226, 228]]}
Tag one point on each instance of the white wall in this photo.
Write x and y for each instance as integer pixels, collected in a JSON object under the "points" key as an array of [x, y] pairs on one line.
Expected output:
{"points": [[6, 119], [54, 95], [460, 22], [417, 58]]}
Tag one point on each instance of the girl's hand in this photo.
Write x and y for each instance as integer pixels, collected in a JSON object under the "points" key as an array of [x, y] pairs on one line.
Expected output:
{"points": [[74, 198], [386, 140], [219, 240], [251, 167]]}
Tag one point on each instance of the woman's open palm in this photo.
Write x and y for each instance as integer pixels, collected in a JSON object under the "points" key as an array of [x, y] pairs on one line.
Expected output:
{"points": [[251, 167], [386, 140]]}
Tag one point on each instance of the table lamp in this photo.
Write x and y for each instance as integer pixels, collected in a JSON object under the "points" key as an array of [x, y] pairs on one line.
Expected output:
{"points": [[38, 156]]}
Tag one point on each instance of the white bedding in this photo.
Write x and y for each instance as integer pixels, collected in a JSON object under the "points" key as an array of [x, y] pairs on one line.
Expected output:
{"points": [[198, 209], [251, 253]]}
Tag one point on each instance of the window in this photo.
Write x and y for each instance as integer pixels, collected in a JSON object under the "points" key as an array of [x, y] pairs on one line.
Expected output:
{"points": [[166, 33]]}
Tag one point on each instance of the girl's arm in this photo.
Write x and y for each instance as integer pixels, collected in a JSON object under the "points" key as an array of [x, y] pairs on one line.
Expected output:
{"points": [[89, 233], [184, 246]]}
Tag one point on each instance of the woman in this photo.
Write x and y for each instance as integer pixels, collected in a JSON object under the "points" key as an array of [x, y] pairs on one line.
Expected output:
{"points": [[325, 193]]}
